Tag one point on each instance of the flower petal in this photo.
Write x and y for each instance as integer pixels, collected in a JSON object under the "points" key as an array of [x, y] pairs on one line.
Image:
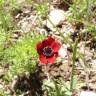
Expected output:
{"points": [[49, 41], [43, 59], [56, 46], [51, 59], [39, 47]]}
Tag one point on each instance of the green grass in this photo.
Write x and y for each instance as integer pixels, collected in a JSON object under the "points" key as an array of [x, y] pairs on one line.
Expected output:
{"points": [[21, 56], [42, 9]]}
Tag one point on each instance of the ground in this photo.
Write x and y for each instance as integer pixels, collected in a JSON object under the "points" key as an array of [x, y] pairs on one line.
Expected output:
{"points": [[67, 28]]}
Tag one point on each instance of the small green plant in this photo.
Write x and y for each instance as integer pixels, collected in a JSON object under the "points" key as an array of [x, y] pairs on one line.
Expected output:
{"points": [[4, 93], [56, 88], [6, 28], [73, 77], [42, 9], [22, 56], [6, 20]]}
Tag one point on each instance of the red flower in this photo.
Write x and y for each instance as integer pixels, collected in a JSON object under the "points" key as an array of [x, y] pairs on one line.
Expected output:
{"points": [[48, 50]]}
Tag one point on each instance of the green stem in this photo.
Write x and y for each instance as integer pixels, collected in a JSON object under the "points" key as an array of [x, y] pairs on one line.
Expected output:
{"points": [[73, 65]]}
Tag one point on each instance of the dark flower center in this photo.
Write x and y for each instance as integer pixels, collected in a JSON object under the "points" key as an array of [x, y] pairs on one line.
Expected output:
{"points": [[47, 51]]}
